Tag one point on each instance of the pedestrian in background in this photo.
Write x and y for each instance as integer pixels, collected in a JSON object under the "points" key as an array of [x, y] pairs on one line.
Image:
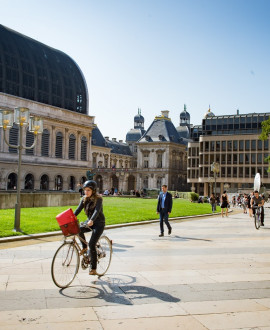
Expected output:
{"points": [[212, 201], [224, 203], [164, 208]]}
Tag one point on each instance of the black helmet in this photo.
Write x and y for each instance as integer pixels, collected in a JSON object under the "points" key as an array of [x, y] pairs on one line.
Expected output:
{"points": [[90, 184]]}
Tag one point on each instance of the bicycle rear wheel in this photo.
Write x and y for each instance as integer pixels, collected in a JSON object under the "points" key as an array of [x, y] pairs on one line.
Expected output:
{"points": [[65, 265], [104, 255], [257, 220]]}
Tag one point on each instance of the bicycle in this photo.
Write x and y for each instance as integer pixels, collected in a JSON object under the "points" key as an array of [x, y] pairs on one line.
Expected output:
{"points": [[66, 261], [257, 216]]}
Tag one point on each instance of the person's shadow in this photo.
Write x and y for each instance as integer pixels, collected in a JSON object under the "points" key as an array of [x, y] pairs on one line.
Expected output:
{"points": [[118, 291]]}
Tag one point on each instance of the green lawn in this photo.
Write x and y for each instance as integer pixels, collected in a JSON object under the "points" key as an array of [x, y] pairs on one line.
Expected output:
{"points": [[117, 210]]}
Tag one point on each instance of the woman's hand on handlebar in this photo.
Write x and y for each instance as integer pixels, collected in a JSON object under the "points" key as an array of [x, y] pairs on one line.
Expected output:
{"points": [[90, 223]]}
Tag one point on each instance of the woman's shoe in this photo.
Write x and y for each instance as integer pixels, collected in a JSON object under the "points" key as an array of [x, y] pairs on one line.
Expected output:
{"points": [[92, 272]]}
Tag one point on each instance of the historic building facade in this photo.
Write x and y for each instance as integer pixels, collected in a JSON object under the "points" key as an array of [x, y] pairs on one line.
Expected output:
{"points": [[52, 86]]}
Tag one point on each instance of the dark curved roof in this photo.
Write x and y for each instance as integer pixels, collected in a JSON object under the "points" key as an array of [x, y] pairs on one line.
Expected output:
{"points": [[134, 134], [184, 115], [183, 132], [34, 71]]}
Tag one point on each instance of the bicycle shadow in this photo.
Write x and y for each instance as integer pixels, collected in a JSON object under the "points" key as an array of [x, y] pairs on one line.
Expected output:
{"points": [[121, 247], [118, 290]]}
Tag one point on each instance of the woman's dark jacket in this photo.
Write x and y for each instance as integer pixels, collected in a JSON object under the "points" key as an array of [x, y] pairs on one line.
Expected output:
{"points": [[93, 212]]}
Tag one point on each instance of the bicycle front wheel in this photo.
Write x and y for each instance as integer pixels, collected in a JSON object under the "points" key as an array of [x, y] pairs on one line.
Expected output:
{"points": [[104, 255], [257, 220], [65, 265]]}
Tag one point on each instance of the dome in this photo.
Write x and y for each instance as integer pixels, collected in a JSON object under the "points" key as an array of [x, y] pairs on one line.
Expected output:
{"points": [[139, 118], [184, 115], [34, 71], [183, 132], [209, 113]]}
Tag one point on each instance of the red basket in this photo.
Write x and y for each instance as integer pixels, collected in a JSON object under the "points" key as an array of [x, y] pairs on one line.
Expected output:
{"points": [[68, 223]]}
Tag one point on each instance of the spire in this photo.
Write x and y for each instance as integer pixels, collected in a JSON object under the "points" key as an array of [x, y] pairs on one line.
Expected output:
{"points": [[185, 107]]}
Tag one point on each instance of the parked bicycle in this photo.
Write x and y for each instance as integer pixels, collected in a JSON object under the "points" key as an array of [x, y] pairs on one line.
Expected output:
{"points": [[66, 261]]}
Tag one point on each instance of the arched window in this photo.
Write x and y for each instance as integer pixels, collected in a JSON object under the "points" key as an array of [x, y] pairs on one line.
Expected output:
{"points": [[58, 182], [83, 179], [115, 181], [29, 182], [159, 160], [45, 143], [145, 182], [83, 148], [44, 182], [159, 182], [12, 181], [59, 145], [71, 183], [71, 146], [13, 138], [29, 142]]}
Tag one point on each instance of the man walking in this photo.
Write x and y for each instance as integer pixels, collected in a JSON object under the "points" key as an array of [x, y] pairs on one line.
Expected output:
{"points": [[164, 208]]}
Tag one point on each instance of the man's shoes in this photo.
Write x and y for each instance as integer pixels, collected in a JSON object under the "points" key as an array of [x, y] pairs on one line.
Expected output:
{"points": [[170, 231], [262, 224], [161, 235], [92, 272]]}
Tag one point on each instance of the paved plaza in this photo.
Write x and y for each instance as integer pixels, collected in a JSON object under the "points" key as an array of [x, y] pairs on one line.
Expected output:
{"points": [[211, 273]]}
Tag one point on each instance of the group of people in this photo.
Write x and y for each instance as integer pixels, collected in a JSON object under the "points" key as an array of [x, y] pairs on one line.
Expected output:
{"points": [[246, 201]]}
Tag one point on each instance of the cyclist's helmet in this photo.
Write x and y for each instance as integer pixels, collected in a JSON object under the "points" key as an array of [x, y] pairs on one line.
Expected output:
{"points": [[90, 184]]}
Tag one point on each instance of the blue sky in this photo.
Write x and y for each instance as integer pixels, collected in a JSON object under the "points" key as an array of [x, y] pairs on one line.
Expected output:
{"points": [[157, 55]]}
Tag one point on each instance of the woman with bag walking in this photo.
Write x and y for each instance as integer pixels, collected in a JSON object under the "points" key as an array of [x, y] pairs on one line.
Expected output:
{"points": [[224, 203]]}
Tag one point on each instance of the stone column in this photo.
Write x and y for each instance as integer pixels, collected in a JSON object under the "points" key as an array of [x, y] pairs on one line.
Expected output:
{"points": [[52, 143]]}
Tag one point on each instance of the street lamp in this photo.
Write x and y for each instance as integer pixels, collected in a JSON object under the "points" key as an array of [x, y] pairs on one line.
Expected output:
{"points": [[211, 180], [215, 169], [21, 117]]}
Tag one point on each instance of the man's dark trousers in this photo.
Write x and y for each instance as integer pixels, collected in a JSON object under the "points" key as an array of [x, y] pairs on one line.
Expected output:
{"points": [[163, 216]]}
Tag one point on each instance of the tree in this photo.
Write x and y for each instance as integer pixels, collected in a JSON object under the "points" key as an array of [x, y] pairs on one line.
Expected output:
{"points": [[264, 136]]}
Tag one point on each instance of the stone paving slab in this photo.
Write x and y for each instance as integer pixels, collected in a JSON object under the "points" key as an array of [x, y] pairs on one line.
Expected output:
{"points": [[212, 273]]}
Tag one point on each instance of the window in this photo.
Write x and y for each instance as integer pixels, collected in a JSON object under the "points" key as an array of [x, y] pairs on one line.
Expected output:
{"points": [[265, 172], [247, 172], [241, 158], [145, 164], [13, 138], [45, 144], [206, 146], [44, 182], [253, 158], [58, 182], [235, 172], [217, 145], [159, 161], [30, 138], [253, 144], [229, 159], [247, 145], [229, 172], [266, 145], [235, 145], [59, 146], [83, 148], [259, 158], [29, 182], [235, 160], [229, 145], [223, 145], [145, 182], [212, 145], [223, 159], [241, 145], [240, 172], [259, 144], [71, 147]]}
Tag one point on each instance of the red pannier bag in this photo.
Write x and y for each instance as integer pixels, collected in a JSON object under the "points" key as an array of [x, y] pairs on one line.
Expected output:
{"points": [[68, 223]]}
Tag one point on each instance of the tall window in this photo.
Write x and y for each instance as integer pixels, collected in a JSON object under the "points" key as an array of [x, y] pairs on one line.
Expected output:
{"points": [[29, 142], [83, 148], [13, 138], [45, 142], [71, 146], [159, 160], [59, 145], [145, 182], [44, 182]]}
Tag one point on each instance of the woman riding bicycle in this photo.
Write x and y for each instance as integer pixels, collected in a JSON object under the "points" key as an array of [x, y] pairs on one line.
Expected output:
{"points": [[92, 205], [257, 200]]}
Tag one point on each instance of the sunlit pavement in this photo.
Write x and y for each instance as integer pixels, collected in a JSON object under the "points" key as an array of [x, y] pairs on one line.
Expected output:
{"points": [[211, 273]]}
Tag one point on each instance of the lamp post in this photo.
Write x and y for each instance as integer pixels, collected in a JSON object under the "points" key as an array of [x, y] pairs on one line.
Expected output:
{"points": [[21, 117], [215, 169], [211, 180]]}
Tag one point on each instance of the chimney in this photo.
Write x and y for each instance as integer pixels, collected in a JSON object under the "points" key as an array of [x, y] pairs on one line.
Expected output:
{"points": [[120, 141], [237, 111], [114, 139], [106, 138], [165, 113]]}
